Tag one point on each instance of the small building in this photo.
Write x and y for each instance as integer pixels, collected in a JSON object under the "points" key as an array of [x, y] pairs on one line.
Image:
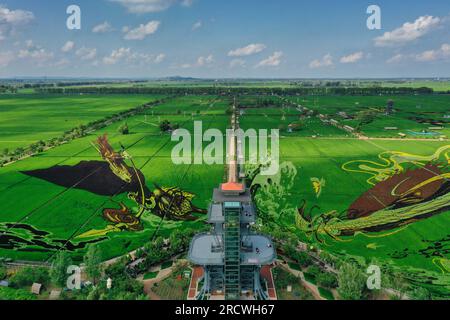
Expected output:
{"points": [[187, 274], [344, 115], [349, 129], [390, 128], [402, 135], [36, 288], [436, 128], [4, 283], [334, 122]]}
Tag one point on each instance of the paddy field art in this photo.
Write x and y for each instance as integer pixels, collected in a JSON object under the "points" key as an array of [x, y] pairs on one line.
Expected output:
{"points": [[365, 195]]}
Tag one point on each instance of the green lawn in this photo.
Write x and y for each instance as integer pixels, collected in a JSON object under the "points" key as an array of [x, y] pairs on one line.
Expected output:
{"points": [[150, 275], [173, 288], [166, 264], [325, 293]]}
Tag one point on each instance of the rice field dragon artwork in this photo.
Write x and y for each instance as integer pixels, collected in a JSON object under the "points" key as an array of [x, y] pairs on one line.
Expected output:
{"points": [[165, 202], [405, 188]]}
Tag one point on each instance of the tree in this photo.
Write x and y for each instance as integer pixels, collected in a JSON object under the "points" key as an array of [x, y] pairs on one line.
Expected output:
{"points": [[165, 126], [92, 261], [350, 282], [58, 271], [5, 152]]}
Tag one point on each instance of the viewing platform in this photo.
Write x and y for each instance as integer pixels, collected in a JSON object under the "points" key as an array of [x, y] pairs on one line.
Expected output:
{"points": [[256, 250]]}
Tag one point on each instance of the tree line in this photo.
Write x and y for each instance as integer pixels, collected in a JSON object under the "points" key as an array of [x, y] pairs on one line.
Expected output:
{"points": [[344, 91]]}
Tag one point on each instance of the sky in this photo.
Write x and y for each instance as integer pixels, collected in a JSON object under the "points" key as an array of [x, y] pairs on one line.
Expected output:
{"points": [[225, 39]]}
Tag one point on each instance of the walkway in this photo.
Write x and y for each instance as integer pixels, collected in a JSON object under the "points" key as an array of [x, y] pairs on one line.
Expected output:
{"points": [[266, 273], [197, 274]]}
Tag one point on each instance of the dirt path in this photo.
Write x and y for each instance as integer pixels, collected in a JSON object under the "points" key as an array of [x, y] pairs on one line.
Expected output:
{"points": [[309, 286], [148, 284]]}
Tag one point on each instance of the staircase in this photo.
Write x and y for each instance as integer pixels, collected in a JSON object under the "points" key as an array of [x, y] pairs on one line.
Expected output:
{"points": [[232, 213]]}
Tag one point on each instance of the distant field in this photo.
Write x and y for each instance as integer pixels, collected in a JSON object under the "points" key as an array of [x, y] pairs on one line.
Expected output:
{"points": [[435, 85], [26, 119], [410, 111]]}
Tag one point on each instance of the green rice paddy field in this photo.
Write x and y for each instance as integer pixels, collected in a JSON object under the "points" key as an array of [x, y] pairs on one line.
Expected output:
{"points": [[26, 119], [65, 213], [412, 113]]}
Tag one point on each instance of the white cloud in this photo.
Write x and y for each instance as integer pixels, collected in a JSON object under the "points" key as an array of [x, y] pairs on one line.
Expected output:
{"points": [[397, 58], [135, 58], [86, 53], [273, 61], [117, 55], [62, 62], [15, 17], [10, 20], [325, 61], [160, 58], [432, 55], [36, 54], [103, 28], [6, 58], [352, 58], [147, 6], [408, 32], [202, 61], [247, 51], [142, 31], [30, 44], [237, 63], [429, 55], [68, 46], [197, 25]]}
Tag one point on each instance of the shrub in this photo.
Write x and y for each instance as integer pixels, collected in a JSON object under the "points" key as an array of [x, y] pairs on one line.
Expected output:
{"points": [[165, 126], [304, 259], [327, 280], [420, 293], [314, 270], [15, 294], [29, 275]]}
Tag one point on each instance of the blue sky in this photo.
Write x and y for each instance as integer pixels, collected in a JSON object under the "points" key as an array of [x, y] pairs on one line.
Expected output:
{"points": [[225, 39]]}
